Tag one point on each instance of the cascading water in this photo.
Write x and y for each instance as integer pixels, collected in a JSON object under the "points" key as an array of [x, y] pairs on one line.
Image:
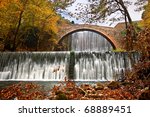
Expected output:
{"points": [[96, 66], [91, 60], [33, 66], [94, 59], [88, 41]]}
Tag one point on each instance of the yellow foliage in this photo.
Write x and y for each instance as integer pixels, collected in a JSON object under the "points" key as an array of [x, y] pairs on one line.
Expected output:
{"points": [[37, 13], [146, 15]]}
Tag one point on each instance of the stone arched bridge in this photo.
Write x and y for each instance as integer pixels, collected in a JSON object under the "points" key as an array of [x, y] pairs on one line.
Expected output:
{"points": [[110, 33]]}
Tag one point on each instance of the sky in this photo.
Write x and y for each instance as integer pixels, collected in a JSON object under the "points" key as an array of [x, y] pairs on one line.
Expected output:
{"points": [[134, 15]]}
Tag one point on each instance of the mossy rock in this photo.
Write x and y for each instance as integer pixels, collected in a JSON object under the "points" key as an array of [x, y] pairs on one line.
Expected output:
{"points": [[61, 96], [114, 85], [69, 89], [58, 92], [126, 83], [99, 86], [86, 87], [81, 91], [145, 95]]}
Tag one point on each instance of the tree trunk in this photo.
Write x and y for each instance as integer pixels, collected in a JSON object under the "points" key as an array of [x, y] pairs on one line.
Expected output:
{"points": [[132, 33], [126, 22], [126, 12], [17, 31], [18, 27]]}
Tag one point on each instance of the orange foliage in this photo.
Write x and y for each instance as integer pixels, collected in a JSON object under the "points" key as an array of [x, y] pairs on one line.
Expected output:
{"points": [[69, 90], [143, 44], [22, 91]]}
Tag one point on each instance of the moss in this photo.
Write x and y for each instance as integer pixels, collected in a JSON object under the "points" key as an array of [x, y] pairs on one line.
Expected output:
{"points": [[114, 85], [119, 50], [61, 96]]}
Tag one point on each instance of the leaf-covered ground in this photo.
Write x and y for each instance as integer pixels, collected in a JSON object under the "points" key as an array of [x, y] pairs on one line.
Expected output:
{"points": [[69, 90]]}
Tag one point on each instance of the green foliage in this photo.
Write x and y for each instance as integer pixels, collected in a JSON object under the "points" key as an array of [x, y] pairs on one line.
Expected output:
{"points": [[119, 50], [123, 33], [137, 26]]}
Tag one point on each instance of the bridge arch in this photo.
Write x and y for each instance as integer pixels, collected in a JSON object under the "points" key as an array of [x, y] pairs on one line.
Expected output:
{"points": [[111, 39]]}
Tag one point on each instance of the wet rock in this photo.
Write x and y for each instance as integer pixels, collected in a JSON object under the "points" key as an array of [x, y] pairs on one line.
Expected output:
{"points": [[99, 86], [86, 87], [81, 91], [114, 85]]}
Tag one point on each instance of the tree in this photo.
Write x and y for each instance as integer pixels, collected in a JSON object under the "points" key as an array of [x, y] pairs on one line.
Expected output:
{"points": [[101, 10], [62, 4], [140, 4], [146, 15], [18, 16], [10, 11]]}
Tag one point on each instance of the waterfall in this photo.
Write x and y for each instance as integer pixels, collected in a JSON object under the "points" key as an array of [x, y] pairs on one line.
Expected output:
{"points": [[109, 66], [90, 58], [89, 41], [53, 66], [33, 65]]}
